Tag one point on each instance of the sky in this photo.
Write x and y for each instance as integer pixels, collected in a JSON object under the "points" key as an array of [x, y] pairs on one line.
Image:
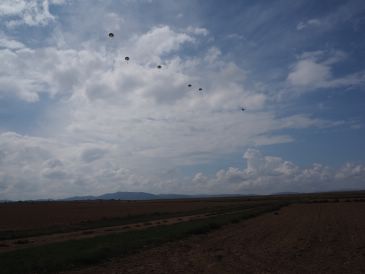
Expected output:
{"points": [[77, 119]]}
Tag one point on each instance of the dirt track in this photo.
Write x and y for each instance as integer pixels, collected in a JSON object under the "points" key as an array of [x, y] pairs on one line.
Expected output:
{"points": [[37, 215], [312, 238], [9, 245]]}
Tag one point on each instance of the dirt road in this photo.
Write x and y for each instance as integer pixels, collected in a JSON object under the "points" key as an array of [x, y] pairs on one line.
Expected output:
{"points": [[310, 238], [9, 245]]}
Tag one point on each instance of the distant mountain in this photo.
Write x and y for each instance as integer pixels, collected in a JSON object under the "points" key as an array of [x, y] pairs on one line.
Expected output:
{"points": [[116, 196], [128, 196], [143, 196], [174, 196], [80, 198], [286, 193]]}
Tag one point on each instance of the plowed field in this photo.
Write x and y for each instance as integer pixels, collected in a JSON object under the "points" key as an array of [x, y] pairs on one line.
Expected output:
{"points": [[36, 215], [305, 238]]}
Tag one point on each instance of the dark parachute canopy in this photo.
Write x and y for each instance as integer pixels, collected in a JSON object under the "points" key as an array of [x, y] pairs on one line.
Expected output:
{"points": [[126, 58], [159, 66], [200, 89], [243, 109], [189, 86], [111, 35]]}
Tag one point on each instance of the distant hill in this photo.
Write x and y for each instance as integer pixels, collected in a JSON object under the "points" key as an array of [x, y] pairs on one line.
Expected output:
{"points": [[142, 196], [116, 196], [286, 193]]}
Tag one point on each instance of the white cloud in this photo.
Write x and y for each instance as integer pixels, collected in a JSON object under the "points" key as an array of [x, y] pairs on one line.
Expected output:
{"points": [[308, 24], [212, 55], [114, 125], [33, 167], [346, 12], [28, 73], [235, 36], [308, 73], [269, 174], [157, 42], [197, 31], [315, 70], [29, 12], [92, 154], [11, 44]]}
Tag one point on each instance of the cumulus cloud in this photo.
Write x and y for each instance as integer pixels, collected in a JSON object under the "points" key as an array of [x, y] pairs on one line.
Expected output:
{"points": [[54, 169], [308, 72], [28, 12], [92, 154], [269, 174], [7, 43], [198, 31], [315, 70], [110, 125], [106, 99], [33, 168], [158, 42], [28, 73]]}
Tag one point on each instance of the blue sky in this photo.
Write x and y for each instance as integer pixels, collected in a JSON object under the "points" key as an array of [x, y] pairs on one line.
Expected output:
{"points": [[76, 119]]}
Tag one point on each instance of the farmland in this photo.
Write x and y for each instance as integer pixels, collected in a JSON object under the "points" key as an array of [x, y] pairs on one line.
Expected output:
{"points": [[23, 219], [305, 238], [260, 234]]}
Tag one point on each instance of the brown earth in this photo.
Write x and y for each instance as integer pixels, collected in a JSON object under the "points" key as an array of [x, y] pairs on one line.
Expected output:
{"points": [[9, 245], [36, 215], [306, 238]]}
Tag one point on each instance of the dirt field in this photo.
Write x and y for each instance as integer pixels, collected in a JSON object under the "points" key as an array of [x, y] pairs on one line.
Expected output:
{"points": [[31, 215], [306, 238], [9, 245]]}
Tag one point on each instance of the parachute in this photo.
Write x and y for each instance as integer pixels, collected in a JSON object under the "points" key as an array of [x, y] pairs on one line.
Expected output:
{"points": [[243, 109], [126, 58]]}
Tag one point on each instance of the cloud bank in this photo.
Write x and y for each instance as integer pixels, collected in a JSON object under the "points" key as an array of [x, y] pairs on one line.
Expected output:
{"points": [[76, 118], [269, 174]]}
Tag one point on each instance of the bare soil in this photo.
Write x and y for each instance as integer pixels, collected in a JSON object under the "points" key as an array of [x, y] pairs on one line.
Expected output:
{"points": [[9, 245], [37, 215], [305, 238]]}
